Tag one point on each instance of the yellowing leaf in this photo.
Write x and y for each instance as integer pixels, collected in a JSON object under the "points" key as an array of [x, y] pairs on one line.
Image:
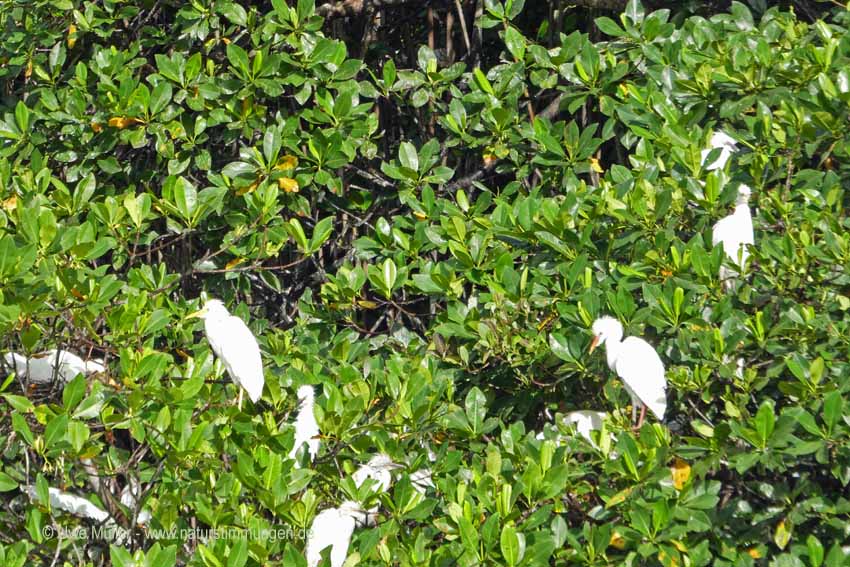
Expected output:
{"points": [[225, 41], [679, 545], [288, 184], [72, 36], [366, 304], [97, 127], [619, 497], [249, 189], [287, 162], [681, 473], [594, 165], [489, 160], [233, 263], [122, 122], [754, 553], [617, 541], [666, 559], [782, 535], [11, 203], [28, 70], [624, 89], [420, 216]]}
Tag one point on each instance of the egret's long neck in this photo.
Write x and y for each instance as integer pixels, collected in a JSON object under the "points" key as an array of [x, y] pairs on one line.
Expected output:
{"points": [[612, 350]]}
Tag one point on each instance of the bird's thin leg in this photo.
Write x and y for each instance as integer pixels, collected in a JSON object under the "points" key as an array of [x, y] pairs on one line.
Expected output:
{"points": [[240, 399], [642, 415]]}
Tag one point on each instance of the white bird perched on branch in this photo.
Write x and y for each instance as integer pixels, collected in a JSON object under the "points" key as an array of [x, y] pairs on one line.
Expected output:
{"points": [[234, 344], [735, 233], [379, 469], [636, 363], [130, 498], [726, 144], [306, 427], [44, 367], [584, 421], [73, 504], [332, 527]]}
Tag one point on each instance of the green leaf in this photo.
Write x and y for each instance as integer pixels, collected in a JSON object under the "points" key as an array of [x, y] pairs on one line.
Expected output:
{"points": [[185, 198], [609, 27], [476, 408], [765, 420], [7, 483], [78, 434], [408, 157], [238, 554], [55, 430], [20, 403], [296, 231], [635, 12], [509, 545], [74, 392], [22, 117], [515, 42], [482, 82], [238, 58], [833, 409], [160, 97], [321, 233]]}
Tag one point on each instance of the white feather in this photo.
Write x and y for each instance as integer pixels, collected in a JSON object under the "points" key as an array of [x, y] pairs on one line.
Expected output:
{"points": [[332, 527], [41, 368], [636, 363], [306, 427], [735, 233], [129, 498], [234, 344], [726, 144], [72, 504]]}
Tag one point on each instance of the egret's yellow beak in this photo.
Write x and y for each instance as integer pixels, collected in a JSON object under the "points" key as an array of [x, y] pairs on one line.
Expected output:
{"points": [[199, 313], [594, 343]]}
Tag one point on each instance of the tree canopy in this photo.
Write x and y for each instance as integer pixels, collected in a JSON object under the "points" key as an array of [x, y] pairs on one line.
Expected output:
{"points": [[420, 208]]}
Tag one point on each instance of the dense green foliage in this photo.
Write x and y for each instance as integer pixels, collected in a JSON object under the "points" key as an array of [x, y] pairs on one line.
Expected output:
{"points": [[428, 242]]}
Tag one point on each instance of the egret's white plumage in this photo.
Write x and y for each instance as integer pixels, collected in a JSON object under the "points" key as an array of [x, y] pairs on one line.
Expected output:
{"points": [[43, 367], [379, 469], [422, 480], [635, 362], [735, 233], [306, 427], [584, 422], [130, 497], [726, 144], [332, 527], [234, 344], [73, 504]]}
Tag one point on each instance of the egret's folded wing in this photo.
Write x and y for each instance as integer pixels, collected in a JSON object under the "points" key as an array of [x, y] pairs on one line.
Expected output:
{"points": [[641, 369], [237, 348]]}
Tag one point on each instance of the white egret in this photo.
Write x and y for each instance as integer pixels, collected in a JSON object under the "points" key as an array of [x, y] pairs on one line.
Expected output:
{"points": [[234, 344], [726, 144], [636, 363], [735, 232], [584, 422], [306, 427], [42, 368], [130, 497], [73, 504], [379, 469], [422, 480], [332, 528]]}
